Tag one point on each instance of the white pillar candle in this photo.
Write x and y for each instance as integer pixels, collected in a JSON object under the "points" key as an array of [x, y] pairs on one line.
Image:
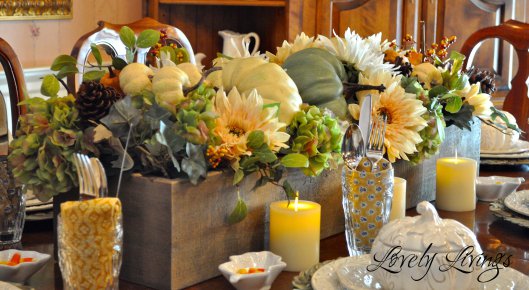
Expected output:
{"points": [[398, 203], [456, 184], [295, 233]]}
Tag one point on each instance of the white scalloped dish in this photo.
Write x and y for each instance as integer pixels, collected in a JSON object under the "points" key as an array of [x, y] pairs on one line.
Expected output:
{"points": [[270, 262], [492, 188], [23, 271]]}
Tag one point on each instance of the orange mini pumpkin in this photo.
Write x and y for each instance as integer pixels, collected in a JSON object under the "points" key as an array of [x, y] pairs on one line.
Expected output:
{"points": [[111, 79]]}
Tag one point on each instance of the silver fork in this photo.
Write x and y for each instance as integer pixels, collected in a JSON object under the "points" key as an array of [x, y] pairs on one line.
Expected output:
{"points": [[375, 146]]}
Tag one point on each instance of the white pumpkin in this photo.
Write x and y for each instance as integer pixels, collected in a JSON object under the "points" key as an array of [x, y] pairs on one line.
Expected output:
{"points": [[270, 81], [167, 86], [192, 72], [134, 78]]}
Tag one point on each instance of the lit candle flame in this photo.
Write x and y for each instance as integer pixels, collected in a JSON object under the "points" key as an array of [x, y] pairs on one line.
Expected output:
{"points": [[296, 201], [456, 153]]}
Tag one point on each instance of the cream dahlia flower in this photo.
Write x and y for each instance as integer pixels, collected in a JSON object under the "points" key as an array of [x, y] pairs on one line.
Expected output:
{"points": [[404, 114], [301, 42], [481, 102], [365, 55], [238, 116]]}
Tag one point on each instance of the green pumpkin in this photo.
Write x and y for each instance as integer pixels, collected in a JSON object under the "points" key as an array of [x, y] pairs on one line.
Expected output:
{"points": [[319, 76]]}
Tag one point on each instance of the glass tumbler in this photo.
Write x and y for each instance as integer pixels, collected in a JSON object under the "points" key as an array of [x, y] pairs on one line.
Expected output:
{"points": [[367, 205], [90, 240], [12, 208]]}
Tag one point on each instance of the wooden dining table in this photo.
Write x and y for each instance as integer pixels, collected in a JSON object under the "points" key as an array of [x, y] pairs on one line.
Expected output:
{"points": [[494, 234]]}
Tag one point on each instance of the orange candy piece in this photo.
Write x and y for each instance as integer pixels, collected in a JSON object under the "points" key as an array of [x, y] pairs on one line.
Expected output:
{"points": [[250, 270], [15, 260]]}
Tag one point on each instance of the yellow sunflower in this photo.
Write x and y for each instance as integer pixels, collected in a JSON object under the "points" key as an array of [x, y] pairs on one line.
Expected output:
{"points": [[238, 116], [404, 114]]}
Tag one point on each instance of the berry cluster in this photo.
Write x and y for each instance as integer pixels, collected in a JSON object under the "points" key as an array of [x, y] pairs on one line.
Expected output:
{"points": [[215, 155], [440, 50], [155, 50]]}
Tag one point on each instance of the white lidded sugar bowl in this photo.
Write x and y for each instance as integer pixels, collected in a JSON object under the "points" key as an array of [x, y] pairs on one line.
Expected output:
{"points": [[426, 252]]}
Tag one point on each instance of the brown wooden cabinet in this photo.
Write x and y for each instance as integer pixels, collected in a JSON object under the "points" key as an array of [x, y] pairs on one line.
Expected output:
{"points": [[273, 20]]}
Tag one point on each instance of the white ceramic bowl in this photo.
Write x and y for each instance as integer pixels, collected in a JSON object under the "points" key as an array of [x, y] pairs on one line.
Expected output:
{"points": [[271, 263], [492, 188], [21, 272]]}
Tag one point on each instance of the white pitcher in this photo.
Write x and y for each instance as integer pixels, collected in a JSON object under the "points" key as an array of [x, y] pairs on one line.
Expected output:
{"points": [[235, 44]]}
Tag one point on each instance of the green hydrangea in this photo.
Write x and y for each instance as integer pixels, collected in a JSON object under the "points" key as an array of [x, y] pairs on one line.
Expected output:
{"points": [[41, 153], [317, 136]]}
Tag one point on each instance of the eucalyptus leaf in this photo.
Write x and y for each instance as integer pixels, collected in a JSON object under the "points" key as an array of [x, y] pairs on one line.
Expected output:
{"points": [[128, 37], [155, 114], [148, 38], [63, 60], [117, 146], [50, 86], [194, 164], [171, 141], [239, 212], [97, 54], [118, 63], [93, 75], [66, 71], [295, 160], [121, 116]]}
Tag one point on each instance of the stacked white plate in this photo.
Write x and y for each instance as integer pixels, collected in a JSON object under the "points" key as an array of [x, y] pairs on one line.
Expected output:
{"points": [[36, 209], [515, 155], [350, 273]]}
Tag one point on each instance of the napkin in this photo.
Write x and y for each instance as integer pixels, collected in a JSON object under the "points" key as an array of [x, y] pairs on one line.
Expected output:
{"points": [[89, 232]]}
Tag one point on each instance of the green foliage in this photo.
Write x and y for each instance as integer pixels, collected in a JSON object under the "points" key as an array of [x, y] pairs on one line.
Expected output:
{"points": [[239, 212], [316, 136], [41, 153], [50, 86]]}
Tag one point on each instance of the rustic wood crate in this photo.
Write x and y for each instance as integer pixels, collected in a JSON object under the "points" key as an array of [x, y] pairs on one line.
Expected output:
{"points": [[176, 234], [420, 179]]}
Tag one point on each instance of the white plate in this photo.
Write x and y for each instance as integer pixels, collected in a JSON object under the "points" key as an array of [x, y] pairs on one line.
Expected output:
{"points": [[7, 286], [520, 147], [326, 278], [39, 207], [518, 201]]}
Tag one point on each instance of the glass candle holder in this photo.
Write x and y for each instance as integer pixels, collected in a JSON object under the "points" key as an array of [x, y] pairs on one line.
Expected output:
{"points": [[12, 208], [90, 240], [367, 205]]}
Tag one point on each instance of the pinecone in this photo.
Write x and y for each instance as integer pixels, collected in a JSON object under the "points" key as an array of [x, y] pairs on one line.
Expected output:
{"points": [[94, 100], [485, 77]]}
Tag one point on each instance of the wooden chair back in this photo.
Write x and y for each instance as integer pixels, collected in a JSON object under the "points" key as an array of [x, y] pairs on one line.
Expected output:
{"points": [[107, 35], [517, 34], [15, 83]]}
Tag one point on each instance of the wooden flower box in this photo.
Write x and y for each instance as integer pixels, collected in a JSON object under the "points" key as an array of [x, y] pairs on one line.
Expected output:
{"points": [[176, 234]]}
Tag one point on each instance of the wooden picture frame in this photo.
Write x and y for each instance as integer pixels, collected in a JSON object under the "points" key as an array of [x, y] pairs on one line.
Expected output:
{"points": [[35, 9]]}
